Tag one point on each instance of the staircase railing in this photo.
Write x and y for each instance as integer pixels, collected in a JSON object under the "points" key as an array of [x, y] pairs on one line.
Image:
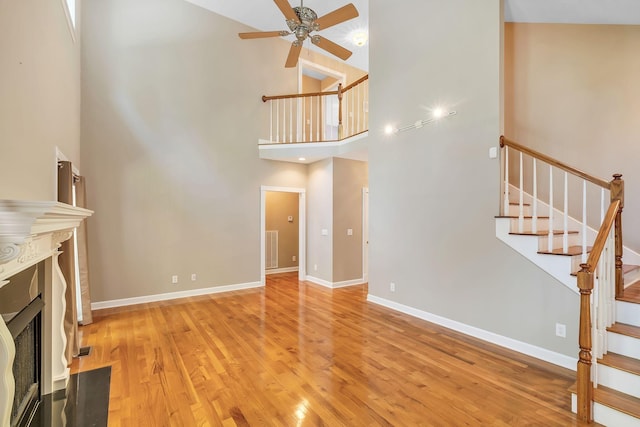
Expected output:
{"points": [[600, 277], [319, 116]]}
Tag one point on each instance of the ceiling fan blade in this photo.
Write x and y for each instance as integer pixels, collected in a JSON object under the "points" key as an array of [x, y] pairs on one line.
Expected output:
{"points": [[263, 34], [294, 53], [287, 10], [331, 47], [337, 16]]}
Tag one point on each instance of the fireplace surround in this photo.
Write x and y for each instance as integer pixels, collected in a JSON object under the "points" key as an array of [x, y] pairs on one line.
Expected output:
{"points": [[30, 234]]}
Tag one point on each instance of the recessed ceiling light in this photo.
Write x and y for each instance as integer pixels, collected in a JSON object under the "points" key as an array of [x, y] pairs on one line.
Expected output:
{"points": [[302, 159]]}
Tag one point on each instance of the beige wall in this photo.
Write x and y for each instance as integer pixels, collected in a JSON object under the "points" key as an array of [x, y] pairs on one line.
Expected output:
{"points": [[279, 206], [434, 191], [171, 97], [573, 92], [319, 217], [349, 178], [39, 97]]}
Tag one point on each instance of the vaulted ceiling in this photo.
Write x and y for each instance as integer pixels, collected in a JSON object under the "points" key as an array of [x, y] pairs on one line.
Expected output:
{"points": [[265, 16]]}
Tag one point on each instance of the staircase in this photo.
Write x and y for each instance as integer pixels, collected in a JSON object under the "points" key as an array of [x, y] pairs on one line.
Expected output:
{"points": [[562, 246]]}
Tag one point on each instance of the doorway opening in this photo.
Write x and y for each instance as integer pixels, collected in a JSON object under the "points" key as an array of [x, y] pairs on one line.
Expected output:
{"points": [[291, 218]]}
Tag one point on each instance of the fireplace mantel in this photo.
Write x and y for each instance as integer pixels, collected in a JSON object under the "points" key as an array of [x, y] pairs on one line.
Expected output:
{"points": [[30, 232], [28, 227]]}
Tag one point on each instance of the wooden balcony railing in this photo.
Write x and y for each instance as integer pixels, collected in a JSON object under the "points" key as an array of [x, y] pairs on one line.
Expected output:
{"points": [[600, 279], [320, 116]]}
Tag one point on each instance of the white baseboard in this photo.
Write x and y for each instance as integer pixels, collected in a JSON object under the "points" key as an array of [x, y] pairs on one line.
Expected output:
{"points": [[334, 285], [510, 343], [173, 295], [280, 270]]}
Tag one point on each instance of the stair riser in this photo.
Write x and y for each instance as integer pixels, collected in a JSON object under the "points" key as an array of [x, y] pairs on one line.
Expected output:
{"points": [[624, 345], [527, 224], [514, 210], [573, 239], [620, 380], [628, 313]]}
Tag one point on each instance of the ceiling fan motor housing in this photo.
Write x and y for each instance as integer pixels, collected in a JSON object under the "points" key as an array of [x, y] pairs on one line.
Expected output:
{"points": [[307, 23]]}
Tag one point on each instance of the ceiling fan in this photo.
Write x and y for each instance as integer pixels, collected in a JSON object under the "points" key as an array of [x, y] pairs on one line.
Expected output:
{"points": [[302, 21]]}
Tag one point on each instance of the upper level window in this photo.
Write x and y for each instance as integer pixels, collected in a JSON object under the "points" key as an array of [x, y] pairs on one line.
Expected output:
{"points": [[70, 9]]}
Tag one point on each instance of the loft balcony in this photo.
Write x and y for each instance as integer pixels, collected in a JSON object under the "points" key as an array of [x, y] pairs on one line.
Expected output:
{"points": [[315, 126]]}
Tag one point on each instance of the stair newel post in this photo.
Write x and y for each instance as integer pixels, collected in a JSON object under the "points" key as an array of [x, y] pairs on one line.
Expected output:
{"points": [[617, 193], [584, 384], [340, 93]]}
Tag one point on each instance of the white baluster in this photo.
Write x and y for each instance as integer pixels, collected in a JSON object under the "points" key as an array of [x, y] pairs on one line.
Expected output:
{"points": [[534, 219], [277, 120], [584, 221], [311, 119], [550, 235], [290, 119], [318, 118], [506, 181], [521, 199], [602, 206], [565, 225], [271, 121], [304, 119], [284, 120]]}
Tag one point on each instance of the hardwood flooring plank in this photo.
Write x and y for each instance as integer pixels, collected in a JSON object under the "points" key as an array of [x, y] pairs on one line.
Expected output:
{"points": [[294, 353]]}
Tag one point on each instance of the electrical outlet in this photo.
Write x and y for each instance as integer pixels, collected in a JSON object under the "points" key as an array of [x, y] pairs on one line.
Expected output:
{"points": [[392, 287], [174, 279], [193, 277], [315, 267], [293, 258], [561, 330]]}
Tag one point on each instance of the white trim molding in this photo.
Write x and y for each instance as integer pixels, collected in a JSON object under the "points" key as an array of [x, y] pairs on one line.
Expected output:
{"points": [[334, 285], [506, 342], [173, 295]]}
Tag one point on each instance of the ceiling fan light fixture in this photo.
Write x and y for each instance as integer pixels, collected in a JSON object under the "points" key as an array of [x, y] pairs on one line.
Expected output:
{"points": [[359, 37]]}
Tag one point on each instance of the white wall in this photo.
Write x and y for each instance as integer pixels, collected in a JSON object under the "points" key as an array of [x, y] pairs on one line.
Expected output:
{"points": [[434, 191], [39, 97]]}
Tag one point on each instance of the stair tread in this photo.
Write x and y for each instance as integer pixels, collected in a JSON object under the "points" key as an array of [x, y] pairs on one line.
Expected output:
{"points": [[517, 216], [571, 250], [623, 363], [631, 293], [627, 268], [541, 232], [624, 329], [615, 399], [618, 400]]}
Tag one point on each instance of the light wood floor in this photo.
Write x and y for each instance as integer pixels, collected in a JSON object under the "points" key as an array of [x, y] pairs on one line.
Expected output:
{"points": [[297, 354]]}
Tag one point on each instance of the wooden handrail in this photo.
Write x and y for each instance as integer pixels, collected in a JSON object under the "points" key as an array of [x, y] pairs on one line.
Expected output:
{"points": [[597, 181], [266, 98], [601, 239], [356, 83]]}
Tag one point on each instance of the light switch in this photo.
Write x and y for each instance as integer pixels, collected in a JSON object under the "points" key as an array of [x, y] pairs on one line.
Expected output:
{"points": [[493, 152], [324, 232], [290, 218], [349, 232]]}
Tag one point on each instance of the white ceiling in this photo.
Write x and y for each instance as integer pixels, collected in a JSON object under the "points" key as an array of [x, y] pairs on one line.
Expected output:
{"points": [[264, 15]]}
